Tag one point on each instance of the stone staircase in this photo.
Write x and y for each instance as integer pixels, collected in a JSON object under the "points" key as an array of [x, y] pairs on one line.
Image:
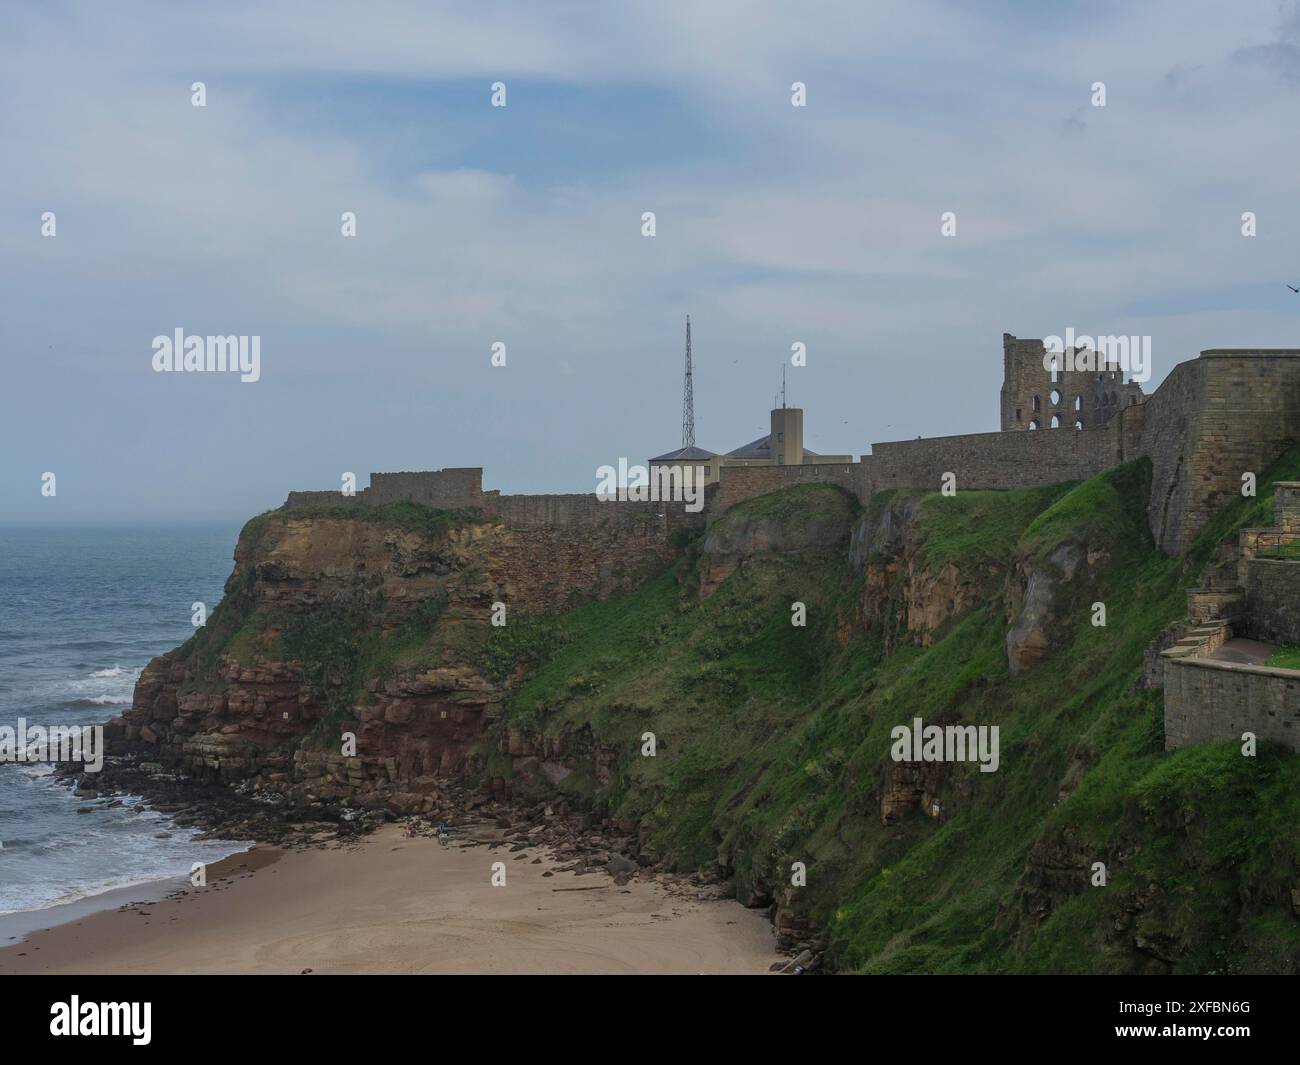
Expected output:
{"points": [[1218, 605]]}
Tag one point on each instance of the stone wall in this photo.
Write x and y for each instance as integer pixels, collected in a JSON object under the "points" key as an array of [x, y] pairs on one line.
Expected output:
{"points": [[1212, 702], [582, 509], [1205, 605], [1272, 595], [745, 482], [1286, 506], [316, 499], [992, 460], [462, 488], [1212, 419], [449, 489]]}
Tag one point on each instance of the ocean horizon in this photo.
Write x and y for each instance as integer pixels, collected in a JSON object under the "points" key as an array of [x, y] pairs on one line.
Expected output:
{"points": [[84, 606]]}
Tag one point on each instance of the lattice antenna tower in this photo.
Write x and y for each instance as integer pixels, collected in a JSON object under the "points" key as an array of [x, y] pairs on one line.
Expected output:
{"points": [[688, 396]]}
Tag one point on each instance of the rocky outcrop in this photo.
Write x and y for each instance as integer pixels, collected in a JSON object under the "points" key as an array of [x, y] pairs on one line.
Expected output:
{"points": [[810, 519], [400, 693], [911, 786], [905, 596], [1034, 604], [1046, 594]]}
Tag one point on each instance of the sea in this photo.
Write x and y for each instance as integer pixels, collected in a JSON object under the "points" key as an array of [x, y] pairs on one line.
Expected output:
{"points": [[83, 608]]}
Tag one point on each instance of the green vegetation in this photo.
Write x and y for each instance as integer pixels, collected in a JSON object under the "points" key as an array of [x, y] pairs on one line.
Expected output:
{"points": [[976, 527], [339, 644], [802, 503], [773, 745], [411, 517], [1288, 552], [1285, 658]]}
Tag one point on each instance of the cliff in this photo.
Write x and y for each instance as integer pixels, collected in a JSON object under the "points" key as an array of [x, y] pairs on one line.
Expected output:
{"points": [[725, 703], [773, 741], [374, 622]]}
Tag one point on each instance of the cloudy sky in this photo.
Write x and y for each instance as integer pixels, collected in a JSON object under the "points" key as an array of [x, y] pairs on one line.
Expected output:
{"points": [[522, 224]]}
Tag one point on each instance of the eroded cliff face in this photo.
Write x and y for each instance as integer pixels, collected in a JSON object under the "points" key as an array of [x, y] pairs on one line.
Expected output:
{"points": [[356, 624], [907, 596], [1046, 591]]}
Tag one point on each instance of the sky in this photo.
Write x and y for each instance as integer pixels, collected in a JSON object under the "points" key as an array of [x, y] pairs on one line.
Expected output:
{"points": [[522, 224]]}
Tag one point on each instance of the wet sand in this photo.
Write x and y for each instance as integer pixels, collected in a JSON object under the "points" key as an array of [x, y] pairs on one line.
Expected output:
{"points": [[394, 905]]}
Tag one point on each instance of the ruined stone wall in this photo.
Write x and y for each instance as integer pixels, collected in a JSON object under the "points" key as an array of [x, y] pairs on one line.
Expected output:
{"points": [[1213, 702], [1272, 592], [1092, 397]]}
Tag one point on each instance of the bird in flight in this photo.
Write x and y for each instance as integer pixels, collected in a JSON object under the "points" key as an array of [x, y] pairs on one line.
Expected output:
{"points": [[1293, 288]]}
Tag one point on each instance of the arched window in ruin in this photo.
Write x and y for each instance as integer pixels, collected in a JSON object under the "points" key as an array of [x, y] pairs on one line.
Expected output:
{"points": [[1033, 423], [1037, 404], [1055, 397], [1056, 422], [1078, 423], [1078, 402]]}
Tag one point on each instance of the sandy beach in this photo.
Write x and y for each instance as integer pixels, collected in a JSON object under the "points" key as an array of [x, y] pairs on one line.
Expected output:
{"points": [[394, 905]]}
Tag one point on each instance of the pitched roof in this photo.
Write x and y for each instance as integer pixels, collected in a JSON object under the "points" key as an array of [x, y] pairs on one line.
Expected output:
{"points": [[755, 449], [762, 449], [686, 453]]}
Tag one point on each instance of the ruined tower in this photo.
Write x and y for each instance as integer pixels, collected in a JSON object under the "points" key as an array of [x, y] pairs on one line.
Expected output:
{"points": [[1036, 396]]}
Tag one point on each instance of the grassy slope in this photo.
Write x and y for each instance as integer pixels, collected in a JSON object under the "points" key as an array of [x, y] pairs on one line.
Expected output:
{"points": [[772, 742]]}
